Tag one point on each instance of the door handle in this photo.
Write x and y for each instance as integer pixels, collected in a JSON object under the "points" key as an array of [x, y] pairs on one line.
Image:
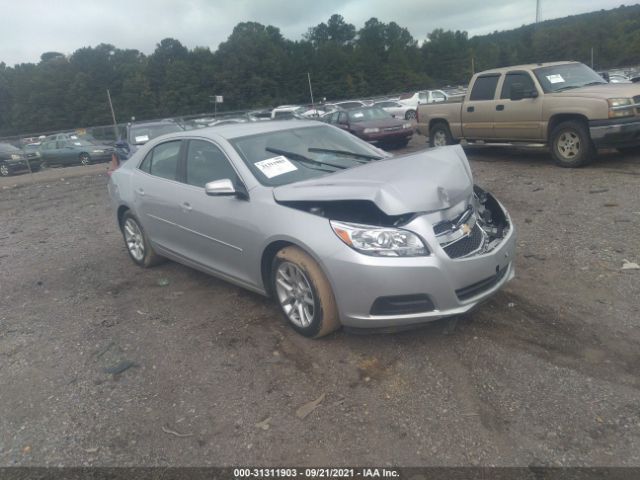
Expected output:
{"points": [[186, 206], [471, 109], [140, 192], [499, 108]]}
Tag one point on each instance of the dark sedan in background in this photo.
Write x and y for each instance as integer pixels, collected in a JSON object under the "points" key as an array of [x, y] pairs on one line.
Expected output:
{"points": [[373, 125], [65, 149], [13, 160]]}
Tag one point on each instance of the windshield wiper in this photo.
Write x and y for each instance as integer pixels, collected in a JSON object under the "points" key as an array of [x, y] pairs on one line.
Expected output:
{"points": [[301, 158], [345, 152]]}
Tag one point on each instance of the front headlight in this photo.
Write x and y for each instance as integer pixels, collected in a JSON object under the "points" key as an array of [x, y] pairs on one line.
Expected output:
{"points": [[15, 157], [406, 125], [620, 107], [371, 130], [380, 241]]}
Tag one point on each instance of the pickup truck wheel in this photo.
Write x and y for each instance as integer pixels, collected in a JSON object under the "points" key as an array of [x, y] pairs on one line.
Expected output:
{"points": [[571, 145], [304, 293], [440, 135], [410, 115]]}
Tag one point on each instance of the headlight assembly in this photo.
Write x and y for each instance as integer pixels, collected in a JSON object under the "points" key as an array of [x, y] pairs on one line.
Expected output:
{"points": [[380, 241], [620, 107]]}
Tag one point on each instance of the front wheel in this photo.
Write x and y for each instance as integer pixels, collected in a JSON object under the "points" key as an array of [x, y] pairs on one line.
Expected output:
{"points": [[85, 159], [571, 145], [5, 171], [304, 293], [440, 135], [137, 243]]}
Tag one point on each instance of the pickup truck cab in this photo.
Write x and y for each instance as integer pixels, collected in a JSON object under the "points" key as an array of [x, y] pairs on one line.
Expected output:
{"points": [[563, 105]]}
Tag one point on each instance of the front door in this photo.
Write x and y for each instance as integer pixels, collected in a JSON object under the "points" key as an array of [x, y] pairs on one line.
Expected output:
{"points": [[519, 119]]}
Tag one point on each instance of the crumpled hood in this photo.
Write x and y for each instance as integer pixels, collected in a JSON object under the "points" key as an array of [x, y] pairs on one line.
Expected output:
{"points": [[424, 181]]}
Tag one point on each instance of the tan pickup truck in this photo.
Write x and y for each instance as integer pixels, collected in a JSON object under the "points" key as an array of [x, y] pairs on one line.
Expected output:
{"points": [[563, 105]]}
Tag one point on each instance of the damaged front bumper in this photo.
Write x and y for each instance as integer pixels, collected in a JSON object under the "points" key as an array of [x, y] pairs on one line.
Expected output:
{"points": [[374, 292]]}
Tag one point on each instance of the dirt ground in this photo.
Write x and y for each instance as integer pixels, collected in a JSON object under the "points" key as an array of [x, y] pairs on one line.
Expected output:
{"points": [[545, 373]]}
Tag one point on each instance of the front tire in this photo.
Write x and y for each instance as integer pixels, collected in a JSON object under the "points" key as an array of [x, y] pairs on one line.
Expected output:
{"points": [[304, 293], [137, 243], [571, 145], [440, 135], [85, 159], [410, 115], [5, 170]]}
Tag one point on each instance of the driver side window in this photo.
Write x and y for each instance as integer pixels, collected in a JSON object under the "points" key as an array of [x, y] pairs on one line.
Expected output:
{"points": [[206, 163]]}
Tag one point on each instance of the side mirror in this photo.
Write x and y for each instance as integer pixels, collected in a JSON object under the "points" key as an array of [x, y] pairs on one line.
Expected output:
{"points": [[226, 188], [220, 188]]}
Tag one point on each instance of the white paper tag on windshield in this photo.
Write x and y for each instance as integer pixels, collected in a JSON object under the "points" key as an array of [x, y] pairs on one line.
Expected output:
{"points": [[358, 115], [272, 167], [557, 78], [142, 138]]}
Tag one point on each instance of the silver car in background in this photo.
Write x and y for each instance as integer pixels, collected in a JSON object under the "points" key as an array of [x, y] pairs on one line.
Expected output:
{"points": [[338, 231]]}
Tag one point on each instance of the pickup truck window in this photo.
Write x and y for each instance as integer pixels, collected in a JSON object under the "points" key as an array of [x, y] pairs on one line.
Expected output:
{"points": [[557, 78], [522, 78], [484, 88]]}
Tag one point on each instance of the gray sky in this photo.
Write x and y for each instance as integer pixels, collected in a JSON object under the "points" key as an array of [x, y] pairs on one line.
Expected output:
{"points": [[31, 27]]}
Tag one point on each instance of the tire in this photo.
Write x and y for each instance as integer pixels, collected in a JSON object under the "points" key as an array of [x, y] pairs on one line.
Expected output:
{"points": [[410, 115], [571, 145], [296, 276], [5, 170], [84, 158], [440, 135], [137, 243]]}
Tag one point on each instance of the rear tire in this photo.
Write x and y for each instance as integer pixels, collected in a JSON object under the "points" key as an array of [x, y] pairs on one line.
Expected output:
{"points": [[440, 135], [571, 145], [137, 242], [304, 293]]}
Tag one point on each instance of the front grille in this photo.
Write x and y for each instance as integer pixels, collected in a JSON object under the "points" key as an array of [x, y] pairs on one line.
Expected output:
{"points": [[482, 286], [466, 245], [391, 129]]}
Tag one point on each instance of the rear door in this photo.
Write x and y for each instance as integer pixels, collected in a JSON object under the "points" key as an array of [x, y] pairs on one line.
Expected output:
{"points": [[154, 188], [518, 119], [478, 111]]}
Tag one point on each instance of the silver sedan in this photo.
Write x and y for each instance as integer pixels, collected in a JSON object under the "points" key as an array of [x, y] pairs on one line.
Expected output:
{"points": [[336, 230]]}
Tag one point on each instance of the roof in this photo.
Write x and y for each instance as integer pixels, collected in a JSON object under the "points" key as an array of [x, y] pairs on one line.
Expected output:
{"points": [[530, 66], [237, 130]]}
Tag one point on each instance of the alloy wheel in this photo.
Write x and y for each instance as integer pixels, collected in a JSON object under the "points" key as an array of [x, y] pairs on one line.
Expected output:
{"points": [[568, 145], [439, 139], [4, 170], [295, 294], [84, 159], [134, 239]]}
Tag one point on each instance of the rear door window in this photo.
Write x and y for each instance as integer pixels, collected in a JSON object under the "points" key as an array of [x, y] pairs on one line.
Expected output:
{"points": [[484, 88], [162, 161]]}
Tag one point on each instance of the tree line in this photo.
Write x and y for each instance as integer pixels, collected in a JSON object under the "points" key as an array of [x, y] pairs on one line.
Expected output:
{"points": [[257, 67]]}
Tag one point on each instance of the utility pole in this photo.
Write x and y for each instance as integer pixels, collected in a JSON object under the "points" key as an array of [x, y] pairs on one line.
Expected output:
{"points": [[538, 12], [592, 57], [113, 115], [473, 65], [310, 91]]}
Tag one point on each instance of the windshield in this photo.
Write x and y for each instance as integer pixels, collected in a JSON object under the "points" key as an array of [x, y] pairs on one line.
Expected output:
{"points": [[564, 77], [365, 114], [339, 150], [144, 133]]}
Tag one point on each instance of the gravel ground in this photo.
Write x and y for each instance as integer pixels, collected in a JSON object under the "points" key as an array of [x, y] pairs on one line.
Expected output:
{"points": [[103, 363]]}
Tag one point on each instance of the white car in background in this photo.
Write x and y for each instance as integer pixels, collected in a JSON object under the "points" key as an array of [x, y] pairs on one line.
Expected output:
{"points": [[397, 110], [421, 97]]}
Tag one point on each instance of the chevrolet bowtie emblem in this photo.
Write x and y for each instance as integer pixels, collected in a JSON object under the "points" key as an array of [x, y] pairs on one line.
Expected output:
{"points": [[466, 229]]}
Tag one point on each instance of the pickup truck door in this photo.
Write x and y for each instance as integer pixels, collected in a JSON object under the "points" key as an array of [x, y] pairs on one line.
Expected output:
{"points": [[518, 119], [478, 110]]}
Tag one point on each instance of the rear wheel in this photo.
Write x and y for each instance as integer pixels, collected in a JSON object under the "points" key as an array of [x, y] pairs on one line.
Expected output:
{"points": [[5, 171], [571, 145], [85, 159], [410, 115], [304, 293], [137, 243], [440, 135]]}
